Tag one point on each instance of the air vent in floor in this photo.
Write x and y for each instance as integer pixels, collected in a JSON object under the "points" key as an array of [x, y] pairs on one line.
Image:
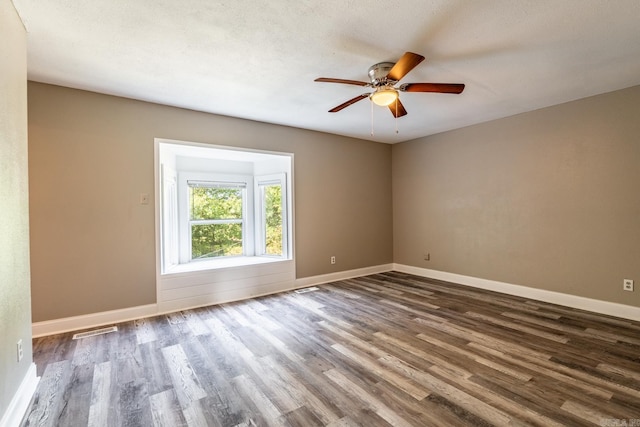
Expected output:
{"points": [[95, 332], [305, 290]]}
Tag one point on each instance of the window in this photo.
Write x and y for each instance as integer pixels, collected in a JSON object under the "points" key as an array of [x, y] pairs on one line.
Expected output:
{"points": [[271, 213], [222, 207], [216, 218]]}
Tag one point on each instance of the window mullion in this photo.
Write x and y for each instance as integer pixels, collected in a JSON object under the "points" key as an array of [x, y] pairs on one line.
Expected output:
{"points": [[215, 221]]}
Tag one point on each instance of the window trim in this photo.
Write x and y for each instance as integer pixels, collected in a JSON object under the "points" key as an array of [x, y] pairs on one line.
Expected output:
{"points": [[169, 226]]}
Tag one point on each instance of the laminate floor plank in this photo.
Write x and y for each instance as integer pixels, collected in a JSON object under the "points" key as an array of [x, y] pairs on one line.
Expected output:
{"points": [[389, 349], [447, 413], [155, 368], [305, 394], [360, 393], [131, 368], [185, 382], [414, 411], [273, 387], [144, 331], [48, 402], [134, 406], [302, 417], [195, 322], [53, 348], [531, 396], [477, 363], [202, 414], [444, 388], [171, 332], [266, 409], [222, 402], [77, 396], [165, 410], [126, 342], [406, 385], [101, 396]]}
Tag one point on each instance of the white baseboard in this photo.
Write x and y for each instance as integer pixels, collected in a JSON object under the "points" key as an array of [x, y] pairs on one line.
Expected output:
{"points": [[21, 400], [67, 324], [342, 275], [567, 300]]}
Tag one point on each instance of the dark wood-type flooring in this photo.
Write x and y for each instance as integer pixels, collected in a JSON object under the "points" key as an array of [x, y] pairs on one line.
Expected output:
{"points": [[386, 349]]}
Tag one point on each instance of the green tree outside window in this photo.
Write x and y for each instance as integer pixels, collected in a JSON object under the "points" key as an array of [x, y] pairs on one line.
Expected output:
{"points": [[216, 221]]}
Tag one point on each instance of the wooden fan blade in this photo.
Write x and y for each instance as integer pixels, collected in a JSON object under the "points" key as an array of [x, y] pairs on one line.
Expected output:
{"points": [[432, 87], [349, 102], [405, 64], [397, 109], [346, 82]]}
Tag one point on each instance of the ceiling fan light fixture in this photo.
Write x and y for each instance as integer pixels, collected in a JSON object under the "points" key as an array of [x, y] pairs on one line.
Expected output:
{"points": [[384, 97]]}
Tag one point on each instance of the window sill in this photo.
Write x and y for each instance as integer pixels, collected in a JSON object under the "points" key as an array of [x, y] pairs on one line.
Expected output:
{"points": [[214, 264]]}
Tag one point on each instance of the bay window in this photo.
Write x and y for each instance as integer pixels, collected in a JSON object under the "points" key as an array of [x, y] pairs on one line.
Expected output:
{"points": [[222, 207]]}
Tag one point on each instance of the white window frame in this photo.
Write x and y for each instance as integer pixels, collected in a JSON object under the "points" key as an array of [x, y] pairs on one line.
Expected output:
{"points": [[169, 204], [260, 182], [184, 219]]}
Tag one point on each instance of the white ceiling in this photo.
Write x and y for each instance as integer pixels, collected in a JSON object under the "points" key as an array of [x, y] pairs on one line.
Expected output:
{"points": [[257, 60]]}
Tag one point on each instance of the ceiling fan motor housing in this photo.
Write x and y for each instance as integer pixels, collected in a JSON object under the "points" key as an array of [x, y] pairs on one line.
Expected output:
{"points": [[378, 74]]}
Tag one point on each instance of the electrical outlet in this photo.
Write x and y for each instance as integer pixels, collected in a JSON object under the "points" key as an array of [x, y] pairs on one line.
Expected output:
{"points": [[427, 256], [333, 259], [627, 285], [144, 198], [19, 348]]}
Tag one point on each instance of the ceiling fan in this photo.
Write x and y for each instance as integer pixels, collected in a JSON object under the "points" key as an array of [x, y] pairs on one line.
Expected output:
{"points": [[384, 76]]}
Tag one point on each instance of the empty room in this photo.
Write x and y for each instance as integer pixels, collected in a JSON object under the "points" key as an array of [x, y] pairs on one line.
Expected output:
{"points": [[362, 213]]}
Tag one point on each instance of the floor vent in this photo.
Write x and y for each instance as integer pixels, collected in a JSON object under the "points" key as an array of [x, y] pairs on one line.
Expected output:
{"points": [[305, 290], [95, 332]]}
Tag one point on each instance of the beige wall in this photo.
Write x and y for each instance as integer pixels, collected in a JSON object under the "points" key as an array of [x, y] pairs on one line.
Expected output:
{"points": [[545, 199], [548, 199], [15, 303], [91, 155]]}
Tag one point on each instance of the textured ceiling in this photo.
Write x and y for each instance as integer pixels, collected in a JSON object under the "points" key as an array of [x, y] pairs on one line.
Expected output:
{"points": [[257, 60]]}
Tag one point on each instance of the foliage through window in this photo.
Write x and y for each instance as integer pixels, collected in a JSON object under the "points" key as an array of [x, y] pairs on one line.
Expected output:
{"points": [[271, 229], [215, 220]]}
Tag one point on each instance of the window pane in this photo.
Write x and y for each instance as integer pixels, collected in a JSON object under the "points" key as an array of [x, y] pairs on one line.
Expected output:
{"points": [[216, 240], [215, 203], [273, 219]]}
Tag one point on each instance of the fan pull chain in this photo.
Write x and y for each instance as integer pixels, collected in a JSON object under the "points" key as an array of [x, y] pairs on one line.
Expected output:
{"points": [[371, 118], [396, 116]]}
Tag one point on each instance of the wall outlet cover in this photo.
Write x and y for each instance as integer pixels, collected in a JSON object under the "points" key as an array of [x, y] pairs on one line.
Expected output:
{"points": [[627, 285]]}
